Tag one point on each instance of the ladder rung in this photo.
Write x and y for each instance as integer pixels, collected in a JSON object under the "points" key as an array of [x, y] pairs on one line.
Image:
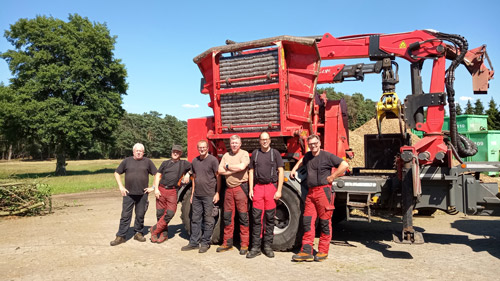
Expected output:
{"points": [[357, 204]]}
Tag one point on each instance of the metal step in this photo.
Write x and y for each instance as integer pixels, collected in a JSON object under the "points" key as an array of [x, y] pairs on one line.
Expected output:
{"points": [[357, 205]]}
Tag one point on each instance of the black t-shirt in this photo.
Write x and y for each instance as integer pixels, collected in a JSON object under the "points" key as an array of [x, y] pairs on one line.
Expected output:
{"points": [[172, 171], [136, 174], [265, 170], [320, 167], [205, 171]]}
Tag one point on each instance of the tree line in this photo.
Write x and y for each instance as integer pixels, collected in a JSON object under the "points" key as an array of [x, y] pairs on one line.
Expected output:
{"points": [[65, 97]]}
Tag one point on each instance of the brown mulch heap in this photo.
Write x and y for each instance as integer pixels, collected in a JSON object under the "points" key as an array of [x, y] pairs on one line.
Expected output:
{"points": [[356, 138]]}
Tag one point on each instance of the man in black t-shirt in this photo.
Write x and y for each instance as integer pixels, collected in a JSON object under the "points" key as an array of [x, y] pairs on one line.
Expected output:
{"points": [[265, 184], [319, 199], [205, 194], [167, 181], [135, 192]]}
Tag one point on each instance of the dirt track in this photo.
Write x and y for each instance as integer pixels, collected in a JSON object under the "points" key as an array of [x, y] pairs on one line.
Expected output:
{"points": [[73, 244]]}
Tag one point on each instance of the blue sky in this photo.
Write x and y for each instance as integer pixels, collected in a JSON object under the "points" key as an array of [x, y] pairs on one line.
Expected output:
{"points": [[157, 40]]}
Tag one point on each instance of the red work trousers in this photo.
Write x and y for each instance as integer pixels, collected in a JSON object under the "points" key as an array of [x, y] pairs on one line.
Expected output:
{"points": [[236, 199], [166, 206], [263, 212], [319, 203]]}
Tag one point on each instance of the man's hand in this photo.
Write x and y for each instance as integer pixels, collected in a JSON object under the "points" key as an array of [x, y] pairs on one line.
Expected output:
{"points": [[330, 179], [277, 195], [250, 193], [157, 193], [185, 179], [149, 189], [123, 191], [293, 174], [216, 198]]}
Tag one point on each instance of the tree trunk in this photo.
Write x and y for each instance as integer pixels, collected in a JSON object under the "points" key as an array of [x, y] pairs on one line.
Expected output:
{"points": [[61, 164], [10, 153]]}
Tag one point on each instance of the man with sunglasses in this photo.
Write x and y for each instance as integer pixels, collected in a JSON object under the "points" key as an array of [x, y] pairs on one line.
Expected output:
{"points": [[320, 199], [265, 182], [168, 179]]}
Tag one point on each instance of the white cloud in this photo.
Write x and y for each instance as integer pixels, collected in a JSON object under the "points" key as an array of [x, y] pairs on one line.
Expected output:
{"points": [[462, 98], [190, 105]]}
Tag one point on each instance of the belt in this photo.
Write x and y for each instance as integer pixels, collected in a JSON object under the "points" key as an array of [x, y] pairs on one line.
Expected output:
{"points": [[237, 185], [168, 187], [321, 186]]}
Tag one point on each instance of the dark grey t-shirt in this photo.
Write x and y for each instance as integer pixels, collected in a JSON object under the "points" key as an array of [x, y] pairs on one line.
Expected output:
{"points": [[172, 171], [265, 170], [205, 171], [136, 174], [320, 167]]}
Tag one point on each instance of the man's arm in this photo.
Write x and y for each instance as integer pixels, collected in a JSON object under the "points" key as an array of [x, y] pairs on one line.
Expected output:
{"points": [[281, 176], [216, 196], [295, 168], [338, 172], [250, 184], [118, 179]]}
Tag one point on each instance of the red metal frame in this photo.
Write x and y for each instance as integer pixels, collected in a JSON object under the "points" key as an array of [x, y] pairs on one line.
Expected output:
{"points": [[299, 72]]}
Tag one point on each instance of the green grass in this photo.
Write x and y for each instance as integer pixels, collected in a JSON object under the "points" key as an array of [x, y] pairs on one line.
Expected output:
{"points": [[81, 175]]}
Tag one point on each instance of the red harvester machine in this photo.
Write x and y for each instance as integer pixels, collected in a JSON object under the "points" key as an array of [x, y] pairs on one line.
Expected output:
{"points": [[270, 85]]}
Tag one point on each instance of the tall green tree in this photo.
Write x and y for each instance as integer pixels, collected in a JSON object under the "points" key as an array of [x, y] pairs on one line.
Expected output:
{"points": [[478, 107], [458, 109], [67, 83], [493, 116], [469, 109]]}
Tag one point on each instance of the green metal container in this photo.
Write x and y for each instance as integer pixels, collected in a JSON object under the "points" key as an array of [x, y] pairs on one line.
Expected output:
{"points": [[488, 147], [468, 123]]}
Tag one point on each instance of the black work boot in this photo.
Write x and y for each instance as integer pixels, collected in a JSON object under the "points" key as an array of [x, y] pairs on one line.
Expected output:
{"points": [[139, 237], [253, 253], [204, 249], [190, 247], [118, 240], [268, 251]]}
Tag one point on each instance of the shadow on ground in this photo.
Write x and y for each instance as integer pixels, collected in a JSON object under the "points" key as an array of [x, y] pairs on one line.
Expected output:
{"points": [[378, 236]]}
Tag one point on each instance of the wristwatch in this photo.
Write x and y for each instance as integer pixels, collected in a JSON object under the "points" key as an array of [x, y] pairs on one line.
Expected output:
{"points": [[227, 166]]}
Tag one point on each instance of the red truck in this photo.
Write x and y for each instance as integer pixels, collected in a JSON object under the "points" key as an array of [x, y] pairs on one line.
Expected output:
{"points": [[270, 85]]}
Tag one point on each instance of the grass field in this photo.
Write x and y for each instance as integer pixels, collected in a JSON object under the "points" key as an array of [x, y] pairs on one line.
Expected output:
{"points": [[81, 175]]}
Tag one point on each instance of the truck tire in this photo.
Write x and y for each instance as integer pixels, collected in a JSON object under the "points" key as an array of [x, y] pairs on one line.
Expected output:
{"points": [[186, 219], [287, 221]]}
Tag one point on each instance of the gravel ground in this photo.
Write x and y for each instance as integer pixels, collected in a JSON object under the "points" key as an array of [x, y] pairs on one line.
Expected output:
{"points": [[73, 244]]}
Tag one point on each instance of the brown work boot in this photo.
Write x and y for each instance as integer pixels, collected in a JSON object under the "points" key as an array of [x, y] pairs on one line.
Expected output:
{"points": [[118, 240], [139, 237], [163, 237], [320, 257], [224, 248], [243, 250], [303, 257]]}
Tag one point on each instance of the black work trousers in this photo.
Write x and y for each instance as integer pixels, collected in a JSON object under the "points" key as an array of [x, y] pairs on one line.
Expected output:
{"points": [[202, 220], [141, 205]]}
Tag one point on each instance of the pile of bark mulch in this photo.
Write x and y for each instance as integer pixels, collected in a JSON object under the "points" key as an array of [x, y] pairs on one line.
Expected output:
{"points": [[356, 138]]}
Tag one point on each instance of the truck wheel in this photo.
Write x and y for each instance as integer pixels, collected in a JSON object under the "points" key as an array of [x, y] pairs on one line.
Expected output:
{"points": [[287, 219], [186, 219]]}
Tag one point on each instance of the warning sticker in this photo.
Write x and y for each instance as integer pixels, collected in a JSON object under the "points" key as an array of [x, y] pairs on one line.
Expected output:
{"points": [[402, 45]]}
